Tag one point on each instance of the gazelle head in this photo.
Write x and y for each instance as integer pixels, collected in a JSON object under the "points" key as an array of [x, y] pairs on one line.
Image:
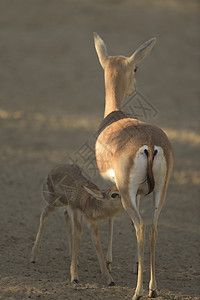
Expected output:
{"points": [[109, 194], [119, 69]]}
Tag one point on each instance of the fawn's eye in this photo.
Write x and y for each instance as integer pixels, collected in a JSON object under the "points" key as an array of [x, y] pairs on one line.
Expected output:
{"points": [[114, 195], [135, 70]]}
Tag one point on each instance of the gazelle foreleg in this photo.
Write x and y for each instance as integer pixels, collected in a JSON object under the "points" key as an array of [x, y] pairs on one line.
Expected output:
{"points": [[110, 239], [97, 245], [47, 211]]}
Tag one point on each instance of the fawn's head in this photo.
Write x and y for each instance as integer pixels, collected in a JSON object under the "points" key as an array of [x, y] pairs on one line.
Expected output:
{"points": [[109, 194]]}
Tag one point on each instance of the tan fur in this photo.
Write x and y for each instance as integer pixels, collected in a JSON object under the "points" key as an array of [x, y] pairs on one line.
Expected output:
{"points": [[66, 187], [119, 140], [93, 209]]}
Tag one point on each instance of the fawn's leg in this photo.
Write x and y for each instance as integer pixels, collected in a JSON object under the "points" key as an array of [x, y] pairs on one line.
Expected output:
{"points": [[110, 239], [47, 211], [76, 238], [69, 231], [97, 245]]}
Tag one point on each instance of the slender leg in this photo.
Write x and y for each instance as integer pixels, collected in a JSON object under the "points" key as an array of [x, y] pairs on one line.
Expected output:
{"points": [[76, 238], [161, 178], [47, 211], [97, 245], [129, 203], [110, 239], [152, 284], [137, 251], [69, 231], [140, 234], [159, 199]]}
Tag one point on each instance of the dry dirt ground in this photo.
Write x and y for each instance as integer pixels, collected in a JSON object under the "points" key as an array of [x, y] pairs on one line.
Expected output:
{"points": [[51, 102]]}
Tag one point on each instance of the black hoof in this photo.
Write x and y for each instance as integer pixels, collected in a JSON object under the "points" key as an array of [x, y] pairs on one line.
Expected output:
{"points": [[135, 297], [33, 261], [112, 283], [153, 294], [75, 281]]}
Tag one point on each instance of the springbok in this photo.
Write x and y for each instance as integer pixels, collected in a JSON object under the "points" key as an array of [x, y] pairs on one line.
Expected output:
{"points": [[136, 156], [67, 187]]}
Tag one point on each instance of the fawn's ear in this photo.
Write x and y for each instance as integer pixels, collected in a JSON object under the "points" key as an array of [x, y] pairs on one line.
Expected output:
{"points": [[95, 193], [100, 49], [142, 52]]}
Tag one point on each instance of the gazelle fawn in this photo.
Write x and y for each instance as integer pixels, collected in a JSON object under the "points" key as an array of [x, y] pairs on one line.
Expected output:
{"points": [[67, 187], [135, 156]]}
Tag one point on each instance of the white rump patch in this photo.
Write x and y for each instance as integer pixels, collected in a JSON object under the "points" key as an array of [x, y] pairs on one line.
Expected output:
{"points": [[159, 149], [142, 150], [159, 168], [138, 174]]}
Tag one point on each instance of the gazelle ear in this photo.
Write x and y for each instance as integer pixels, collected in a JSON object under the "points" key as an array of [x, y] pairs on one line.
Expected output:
{"points": [[100, 49], [142, 52], [95, 193]]}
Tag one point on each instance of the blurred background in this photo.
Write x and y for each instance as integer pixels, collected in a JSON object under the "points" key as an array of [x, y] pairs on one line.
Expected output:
{"points": [[51, 102]]}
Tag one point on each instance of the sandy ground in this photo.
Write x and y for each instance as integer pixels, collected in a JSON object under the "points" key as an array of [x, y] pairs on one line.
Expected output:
{"points": [[51, 102]]}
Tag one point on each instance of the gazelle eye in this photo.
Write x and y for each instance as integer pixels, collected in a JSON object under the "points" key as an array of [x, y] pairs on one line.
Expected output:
{"points": [[114, 195], [135, 70]]}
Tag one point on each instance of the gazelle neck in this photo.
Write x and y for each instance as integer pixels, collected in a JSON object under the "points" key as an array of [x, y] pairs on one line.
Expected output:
{"points": [[111, 104], [114, 95]]}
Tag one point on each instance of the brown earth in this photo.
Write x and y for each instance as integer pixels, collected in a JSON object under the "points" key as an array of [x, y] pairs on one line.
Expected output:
{"points": [[51, 102]]}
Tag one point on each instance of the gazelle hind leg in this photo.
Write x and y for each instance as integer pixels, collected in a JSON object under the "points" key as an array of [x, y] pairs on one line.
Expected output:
{"points": [[47, 211], [137, 250], [161, 181], [130, 206], [159, 199], [130, 203]]}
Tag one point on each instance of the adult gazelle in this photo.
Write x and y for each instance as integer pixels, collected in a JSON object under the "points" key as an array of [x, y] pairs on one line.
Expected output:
{"points": [[136, 156]]}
